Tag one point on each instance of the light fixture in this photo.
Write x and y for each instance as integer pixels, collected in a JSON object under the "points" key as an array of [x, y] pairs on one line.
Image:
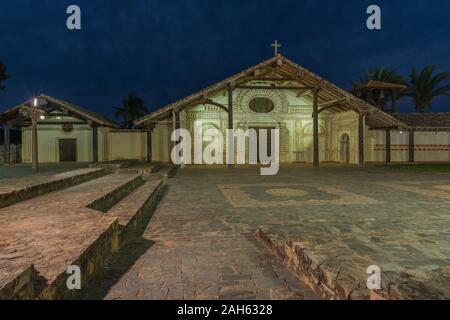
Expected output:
{"points": [[35, 102], [42, 117]]}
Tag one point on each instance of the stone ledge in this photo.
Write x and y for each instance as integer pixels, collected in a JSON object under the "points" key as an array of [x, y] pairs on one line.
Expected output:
{"points": [[20, 285], [335, 284], [55, 182], [130, 209]]}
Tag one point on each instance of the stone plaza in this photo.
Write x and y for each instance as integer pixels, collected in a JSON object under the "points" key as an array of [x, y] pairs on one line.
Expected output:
{"points": [[219, 233], [343, 219]]}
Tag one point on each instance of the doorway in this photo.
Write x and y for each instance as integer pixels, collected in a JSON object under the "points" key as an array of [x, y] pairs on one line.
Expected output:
{"points": [[345, 148], [67, 150]]}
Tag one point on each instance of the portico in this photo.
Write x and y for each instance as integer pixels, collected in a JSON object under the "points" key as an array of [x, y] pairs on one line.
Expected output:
{"points": [[312, 114]]}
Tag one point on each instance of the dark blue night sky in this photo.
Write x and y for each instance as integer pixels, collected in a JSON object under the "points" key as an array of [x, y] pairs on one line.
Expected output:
{"points": [[164, 49]]}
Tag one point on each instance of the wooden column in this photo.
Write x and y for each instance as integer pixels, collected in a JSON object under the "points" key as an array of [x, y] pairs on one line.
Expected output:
{"points": [[411, 146], [388, 145], [94, 143], [34, 146], [361, 143], [149, 145], [6, 143], [230, 139], [176, 126], [316, 158]]}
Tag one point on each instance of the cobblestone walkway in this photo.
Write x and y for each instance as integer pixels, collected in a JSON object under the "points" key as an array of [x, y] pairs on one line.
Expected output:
{"points": [[348, 218], [202, 251]]}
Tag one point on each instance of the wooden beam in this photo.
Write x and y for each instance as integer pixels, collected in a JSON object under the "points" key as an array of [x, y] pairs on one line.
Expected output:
{"points": [[275, 88], [316, 159], [6, 143], [230, 139], [411, 147], [332, 103], [361, 143], [213, 103], [176, 126], [388, 146], [34, 146], [95, 144], [149, 146]]}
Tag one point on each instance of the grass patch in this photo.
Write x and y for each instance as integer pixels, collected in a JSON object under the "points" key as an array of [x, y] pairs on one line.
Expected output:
{"points": [[438, 167]]}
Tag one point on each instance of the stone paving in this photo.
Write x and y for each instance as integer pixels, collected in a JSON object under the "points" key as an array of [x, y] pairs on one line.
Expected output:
{"points": [[24, 170], [346, 218], [53, 230]]}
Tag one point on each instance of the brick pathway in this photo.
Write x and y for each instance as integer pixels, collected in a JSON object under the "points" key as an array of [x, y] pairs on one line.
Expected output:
{"points": [[202, 251], [53, 230], [346, 218]]}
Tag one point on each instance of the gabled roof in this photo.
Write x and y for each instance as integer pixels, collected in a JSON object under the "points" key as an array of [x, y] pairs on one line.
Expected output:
{"points": [[425, 120], [279, 67], [76, 110]]}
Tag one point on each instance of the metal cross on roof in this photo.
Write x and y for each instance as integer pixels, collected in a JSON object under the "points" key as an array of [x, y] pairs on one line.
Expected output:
{"points": [[276, 45]]}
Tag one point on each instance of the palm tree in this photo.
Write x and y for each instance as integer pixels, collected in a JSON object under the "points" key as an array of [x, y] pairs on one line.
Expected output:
{"points": [[132, 108], [3, 75], [424, 87], [382, 74]]}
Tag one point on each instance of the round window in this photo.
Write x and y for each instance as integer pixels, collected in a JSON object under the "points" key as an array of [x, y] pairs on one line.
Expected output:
{"points": [[262, 105]]}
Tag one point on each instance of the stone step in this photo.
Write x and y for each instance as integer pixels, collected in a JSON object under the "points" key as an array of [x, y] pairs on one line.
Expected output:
{"points": [[130, 209], [144, 169], [113, 197], [168, 171], [20, 189], [58, 229], [116, 165]]}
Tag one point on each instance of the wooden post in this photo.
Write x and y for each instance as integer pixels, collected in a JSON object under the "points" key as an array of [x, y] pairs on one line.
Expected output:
{"points": [[230, 139], [149, 145], [176, 126], [34, 146], [361, 148], [95, 143], [388, 145], [6, 142], [316, 158], [411, 146]]}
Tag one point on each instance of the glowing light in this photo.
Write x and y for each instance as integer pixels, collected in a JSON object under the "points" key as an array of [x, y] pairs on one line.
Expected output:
{"points": [[35, 102], [42, 117]]}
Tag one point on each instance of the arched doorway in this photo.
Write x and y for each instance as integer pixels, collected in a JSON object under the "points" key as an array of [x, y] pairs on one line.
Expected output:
{"points": [[345, 148]]}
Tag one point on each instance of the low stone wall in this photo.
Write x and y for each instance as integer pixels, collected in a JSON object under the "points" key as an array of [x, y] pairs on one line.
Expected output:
{"points": [[108, 201], [335, 286], [31, 191], [22, 286], [90, 262], [139, 203]]}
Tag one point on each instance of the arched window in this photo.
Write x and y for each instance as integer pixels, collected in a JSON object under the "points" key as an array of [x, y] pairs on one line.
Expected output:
{"points": [[261, 105]]}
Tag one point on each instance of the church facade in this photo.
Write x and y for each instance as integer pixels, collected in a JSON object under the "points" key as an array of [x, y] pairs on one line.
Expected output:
{"points": [[317, 121]]}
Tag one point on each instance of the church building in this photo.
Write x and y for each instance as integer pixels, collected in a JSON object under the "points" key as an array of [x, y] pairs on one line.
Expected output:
{"points": [[318, 122]]}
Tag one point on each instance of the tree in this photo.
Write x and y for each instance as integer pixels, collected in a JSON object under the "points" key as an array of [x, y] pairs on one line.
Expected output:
{"points": [[132, 108], [3, 75], [380, 98], [424, 87]]}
